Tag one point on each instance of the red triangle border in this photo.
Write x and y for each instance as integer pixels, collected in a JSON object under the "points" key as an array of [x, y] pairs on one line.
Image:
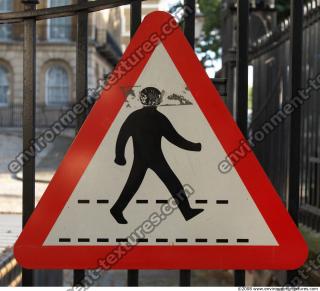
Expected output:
{"points": [[292, 250]]}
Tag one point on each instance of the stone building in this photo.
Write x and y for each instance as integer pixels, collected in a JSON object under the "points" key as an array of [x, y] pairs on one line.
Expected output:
{"points": [[146, 8], [55, 60]]}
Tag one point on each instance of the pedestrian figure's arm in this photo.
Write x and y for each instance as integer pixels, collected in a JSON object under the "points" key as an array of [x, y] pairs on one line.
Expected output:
{"points": [[122, 140], [174, 137]]}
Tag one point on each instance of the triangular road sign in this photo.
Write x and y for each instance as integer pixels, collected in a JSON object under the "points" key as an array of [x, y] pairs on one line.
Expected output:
{"points": [[159, 89]]}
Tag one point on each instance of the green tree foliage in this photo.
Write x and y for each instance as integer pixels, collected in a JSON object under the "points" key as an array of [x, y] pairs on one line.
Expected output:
{"points": [[209, 45], [283, 9], [211, 9], [210, 40]]}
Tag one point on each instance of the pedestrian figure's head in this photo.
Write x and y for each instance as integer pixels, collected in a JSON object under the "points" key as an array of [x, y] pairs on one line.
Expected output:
{"points": [[150, 96]]}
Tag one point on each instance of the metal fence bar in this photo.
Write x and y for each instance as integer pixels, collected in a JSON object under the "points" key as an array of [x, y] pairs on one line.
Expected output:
{"points": [[133, 278], [185, 278], [239, 278], [242, 86], [242, 65], [304, 128], [81, 85], [296, 31], [135, 17], [189, 20], [29, 92], [78, 276], [82, 59], [135, 20], [308, 39], [61, 11]]}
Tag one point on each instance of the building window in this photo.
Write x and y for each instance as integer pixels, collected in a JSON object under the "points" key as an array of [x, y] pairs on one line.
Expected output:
{"points": [[59, 29], [5, 29], [57, 86], [4, 86]]}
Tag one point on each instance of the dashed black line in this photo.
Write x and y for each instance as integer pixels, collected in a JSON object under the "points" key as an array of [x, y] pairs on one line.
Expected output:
{"points": [[64, 239], [201, 201], [158, 240], [161, 201], [222, 240], [201, 240], [222, 201], [142, 201], [82, 239], [145, 201], [180, 240], [121, 240], [102, 201], [83, 201], [242, 240], [161, 240], [102, 240], [142, 240]]}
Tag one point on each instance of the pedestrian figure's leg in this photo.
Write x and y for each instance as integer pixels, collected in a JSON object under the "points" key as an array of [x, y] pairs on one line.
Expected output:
{"points": [[132, 185], [169, 178]]}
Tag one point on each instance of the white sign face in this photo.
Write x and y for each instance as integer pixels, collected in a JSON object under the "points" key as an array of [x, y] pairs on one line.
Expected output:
{"points": [[229, 216]]}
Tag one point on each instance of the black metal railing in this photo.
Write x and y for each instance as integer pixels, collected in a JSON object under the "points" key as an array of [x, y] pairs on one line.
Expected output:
{"points": [[58, 33], [270, 59], [11, 115], [29, 18]]}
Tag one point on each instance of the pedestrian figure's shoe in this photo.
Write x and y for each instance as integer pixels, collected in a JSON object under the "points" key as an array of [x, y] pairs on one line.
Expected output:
{"points": [[191, 213], [118, 216]]}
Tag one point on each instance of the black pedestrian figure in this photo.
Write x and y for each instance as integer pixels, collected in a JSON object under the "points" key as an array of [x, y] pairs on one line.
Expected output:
{"points": [[147, 126]]}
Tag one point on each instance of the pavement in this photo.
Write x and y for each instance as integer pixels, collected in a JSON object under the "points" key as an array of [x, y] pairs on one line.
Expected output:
{"points": [[46, 164], [10, 227], [10, 190]]}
